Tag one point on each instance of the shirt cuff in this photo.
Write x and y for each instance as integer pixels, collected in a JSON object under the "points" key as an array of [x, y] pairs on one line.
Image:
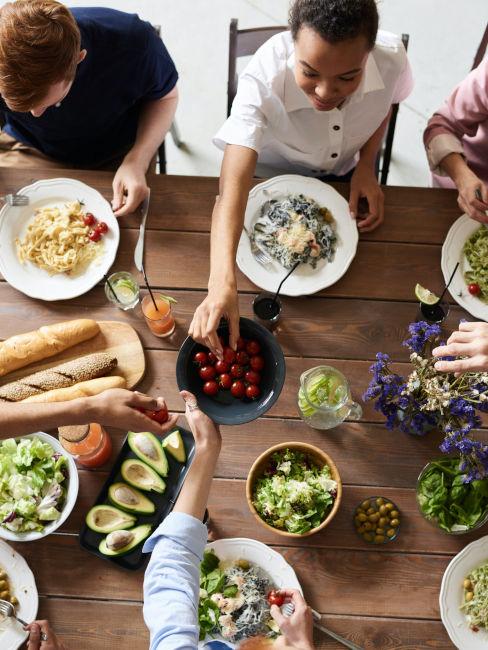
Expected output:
{"points": [[182, 529], [441, 146], [239, 131]]}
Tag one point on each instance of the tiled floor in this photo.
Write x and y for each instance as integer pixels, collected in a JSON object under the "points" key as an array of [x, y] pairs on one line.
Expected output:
{"points": [[444, 35]]}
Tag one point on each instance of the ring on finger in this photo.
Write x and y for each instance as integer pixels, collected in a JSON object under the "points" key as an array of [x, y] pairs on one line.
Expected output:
{"points": [[44, 636]]}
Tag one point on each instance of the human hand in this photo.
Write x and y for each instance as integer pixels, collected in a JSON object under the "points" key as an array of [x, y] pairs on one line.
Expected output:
{"points": [[470, 190], [220, 302], [364, 184], [117, 407], [39, 630], [297, 629], [129, 187], [471, 341], [205, 431]]}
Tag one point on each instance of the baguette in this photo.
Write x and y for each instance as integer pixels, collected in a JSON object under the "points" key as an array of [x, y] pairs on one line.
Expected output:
{"points": [[62, 376], [83, 389], [21, 350]]}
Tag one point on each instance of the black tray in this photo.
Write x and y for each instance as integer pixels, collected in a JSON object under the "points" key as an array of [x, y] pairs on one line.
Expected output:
{"points": [[164, 503]]}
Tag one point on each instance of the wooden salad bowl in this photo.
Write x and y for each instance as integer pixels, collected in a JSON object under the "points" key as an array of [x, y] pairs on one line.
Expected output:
{"points": [[319, 457]]}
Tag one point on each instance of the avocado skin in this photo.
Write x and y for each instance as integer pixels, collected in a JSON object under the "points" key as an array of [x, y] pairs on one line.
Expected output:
{"points": [[144, 507], [160, 465], [140, 532], [160, 487], [98, 529]]}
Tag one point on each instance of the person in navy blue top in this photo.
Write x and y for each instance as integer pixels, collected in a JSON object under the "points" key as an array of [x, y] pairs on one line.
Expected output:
{"points": [[87, 88]]}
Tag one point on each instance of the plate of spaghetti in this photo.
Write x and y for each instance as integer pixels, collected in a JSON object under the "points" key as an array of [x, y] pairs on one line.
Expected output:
{"points": [[61, 244]]}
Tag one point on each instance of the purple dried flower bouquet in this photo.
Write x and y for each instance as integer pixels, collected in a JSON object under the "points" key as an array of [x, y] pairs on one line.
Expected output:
{"points": [[427, 399]]}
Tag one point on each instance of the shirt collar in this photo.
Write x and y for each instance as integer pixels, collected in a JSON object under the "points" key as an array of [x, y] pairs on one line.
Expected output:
{"points": [[295, 99]]}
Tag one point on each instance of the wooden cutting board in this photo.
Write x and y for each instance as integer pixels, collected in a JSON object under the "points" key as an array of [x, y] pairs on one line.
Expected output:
{"points": [[119, 339]]}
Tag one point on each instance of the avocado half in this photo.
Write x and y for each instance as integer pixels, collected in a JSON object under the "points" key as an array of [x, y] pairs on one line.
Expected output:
{"points": [[148, 448], [140, 475], [128, 498], [175, 446], [113, 544], [105, 519]]}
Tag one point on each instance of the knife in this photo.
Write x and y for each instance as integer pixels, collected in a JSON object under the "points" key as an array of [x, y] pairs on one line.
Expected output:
{"points": [[139, 249]]}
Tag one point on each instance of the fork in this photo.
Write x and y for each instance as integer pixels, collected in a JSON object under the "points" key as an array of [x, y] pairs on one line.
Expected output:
{"points": [[259, 255], [15, 199], [7, 609], [288, 610]]}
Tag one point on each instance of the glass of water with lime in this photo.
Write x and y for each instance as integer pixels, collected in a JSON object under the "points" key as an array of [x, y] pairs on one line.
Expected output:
{"points": [[121, 289]]}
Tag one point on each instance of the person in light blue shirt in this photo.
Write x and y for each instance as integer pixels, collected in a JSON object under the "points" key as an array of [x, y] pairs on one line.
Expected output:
{"points": [[172, 579]]}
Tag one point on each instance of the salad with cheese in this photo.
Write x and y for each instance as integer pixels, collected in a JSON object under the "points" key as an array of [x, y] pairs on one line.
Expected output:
{"points": [[296, 229], [233, 600], [32, 484]]}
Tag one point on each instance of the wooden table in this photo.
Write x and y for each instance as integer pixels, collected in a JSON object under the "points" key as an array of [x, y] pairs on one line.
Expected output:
{"points": [[381, 597]]}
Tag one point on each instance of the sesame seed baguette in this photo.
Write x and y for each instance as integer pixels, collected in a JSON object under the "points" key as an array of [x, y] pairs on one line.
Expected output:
{"points": [[83, 389]]}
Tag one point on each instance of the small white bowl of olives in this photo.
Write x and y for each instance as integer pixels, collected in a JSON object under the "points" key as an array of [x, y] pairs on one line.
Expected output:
{"points": [[377, 520]]}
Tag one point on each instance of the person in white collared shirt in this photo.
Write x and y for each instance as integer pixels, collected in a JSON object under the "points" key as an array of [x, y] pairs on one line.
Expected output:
{"points": [[315, 101]]}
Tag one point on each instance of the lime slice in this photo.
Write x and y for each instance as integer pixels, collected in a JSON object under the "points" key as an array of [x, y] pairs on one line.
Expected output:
{"points": [[124, 293], [172, 301], [425, 295]]}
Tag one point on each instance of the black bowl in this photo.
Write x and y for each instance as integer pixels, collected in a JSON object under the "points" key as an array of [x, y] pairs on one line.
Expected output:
{"points": [[223, 408]]}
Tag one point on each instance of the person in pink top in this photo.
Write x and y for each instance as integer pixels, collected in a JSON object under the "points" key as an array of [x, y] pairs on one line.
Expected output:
{"points": [[456, 141]]}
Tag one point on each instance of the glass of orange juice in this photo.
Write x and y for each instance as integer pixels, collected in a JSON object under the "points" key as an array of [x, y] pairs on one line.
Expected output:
{"points": [[160, 321]]}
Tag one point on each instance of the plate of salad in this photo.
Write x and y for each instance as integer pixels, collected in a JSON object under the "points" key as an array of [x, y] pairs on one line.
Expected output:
{"points": [[447, 501], [463, 598], [238, 581], [38, 486], [467, 243], [297, 219]]}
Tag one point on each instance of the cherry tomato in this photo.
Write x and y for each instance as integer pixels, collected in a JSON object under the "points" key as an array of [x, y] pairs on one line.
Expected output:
{"points": [[225, 381], [200, 358], [252, 377], [242, 358], [474, 288], [94, 235], [89, 219], [160, 416], [211, 388], [207, 372], [238, 389], [276, 598], [257, 363], [253, 348], [241, 344], [229, 355], [252, 391], [212, 359], [221, 367], [101, 227], [236, 370]]}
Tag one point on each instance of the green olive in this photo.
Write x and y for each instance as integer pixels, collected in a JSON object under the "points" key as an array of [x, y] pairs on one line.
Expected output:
{"points": [[380, 501], [469, 596], [243, 564], [370, 511], [395, 523], [368, 537], [368, 525], [3, 585], [374, 517], [362, 517], [467, 584], [379, 539], [383, 521], [389, 506], [4, 595], [14, 601], [3, 575], [383, 510], [380, 531], [394, 514], [391, 532], [366, 504]]}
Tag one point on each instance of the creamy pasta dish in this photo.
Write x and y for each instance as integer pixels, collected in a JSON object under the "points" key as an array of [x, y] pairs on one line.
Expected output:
{"points": [[57, 239]]}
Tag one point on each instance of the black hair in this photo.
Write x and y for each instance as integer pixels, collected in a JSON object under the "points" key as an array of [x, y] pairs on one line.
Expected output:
{"points": [[336, 20]]}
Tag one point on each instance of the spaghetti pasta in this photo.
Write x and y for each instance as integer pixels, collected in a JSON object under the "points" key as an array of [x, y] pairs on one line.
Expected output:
{"points": [[57, 240]]}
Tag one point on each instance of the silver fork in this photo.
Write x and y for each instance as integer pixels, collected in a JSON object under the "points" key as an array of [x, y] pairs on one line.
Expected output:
{"points": [[15, 199], [7, 609], [258, 254], [288, 610]]}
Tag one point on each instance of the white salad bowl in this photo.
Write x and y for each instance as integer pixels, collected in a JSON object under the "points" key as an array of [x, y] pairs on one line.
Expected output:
{"points": [[69, 503]]}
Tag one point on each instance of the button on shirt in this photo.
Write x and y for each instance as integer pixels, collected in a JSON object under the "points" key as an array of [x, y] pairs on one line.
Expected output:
{"points": [[273, 116]]}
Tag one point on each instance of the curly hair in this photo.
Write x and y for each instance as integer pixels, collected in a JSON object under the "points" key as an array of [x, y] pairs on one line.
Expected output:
{"points": [[336, 20]]}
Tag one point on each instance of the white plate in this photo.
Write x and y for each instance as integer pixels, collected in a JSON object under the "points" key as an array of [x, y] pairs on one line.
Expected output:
{"points": [[29, 278], [71, 496], [452, 253], [281, 574], [305, 280], [12, 636], [451, 596]]}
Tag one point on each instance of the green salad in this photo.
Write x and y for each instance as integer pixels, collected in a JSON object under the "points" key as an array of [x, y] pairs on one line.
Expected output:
{"points": [[476, 251], [32, 484], [294, 494], [475, 597], [444, 497]]}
